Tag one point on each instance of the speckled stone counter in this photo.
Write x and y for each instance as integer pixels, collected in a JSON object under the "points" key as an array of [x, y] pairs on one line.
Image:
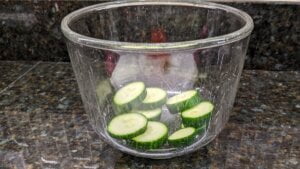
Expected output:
{"points": [[43, 124]]}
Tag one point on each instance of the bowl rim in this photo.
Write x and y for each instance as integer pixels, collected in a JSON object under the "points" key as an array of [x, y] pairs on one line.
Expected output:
{"points": [[156, 47]]}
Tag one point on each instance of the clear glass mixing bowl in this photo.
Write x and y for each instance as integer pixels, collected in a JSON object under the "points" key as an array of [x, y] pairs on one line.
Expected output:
{"points": [[171, 44]]}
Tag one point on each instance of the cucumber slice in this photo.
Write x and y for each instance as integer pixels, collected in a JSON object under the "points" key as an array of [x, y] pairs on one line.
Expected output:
{"points": [[201, 129], [183, 101], [198, 115], [151, 114], [155, 98], [155, 136], [103, 90], [129, 96], [182, 136], [127, 125]]}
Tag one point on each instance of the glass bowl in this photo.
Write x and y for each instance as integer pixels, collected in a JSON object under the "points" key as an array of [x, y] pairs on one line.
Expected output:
{"points": [[170, 44]]}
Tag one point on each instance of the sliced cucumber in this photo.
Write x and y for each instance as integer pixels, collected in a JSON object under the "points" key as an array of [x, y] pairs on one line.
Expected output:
{"points": [[129, 96], [155, 98], [198, 115], [183, 101], [182, 136], [103, 90], [155, 136], [127, 125], [151, 114], [201, 129]]}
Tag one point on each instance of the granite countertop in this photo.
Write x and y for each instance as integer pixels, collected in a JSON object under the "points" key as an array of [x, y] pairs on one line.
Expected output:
{"points": [[43, 124]]}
